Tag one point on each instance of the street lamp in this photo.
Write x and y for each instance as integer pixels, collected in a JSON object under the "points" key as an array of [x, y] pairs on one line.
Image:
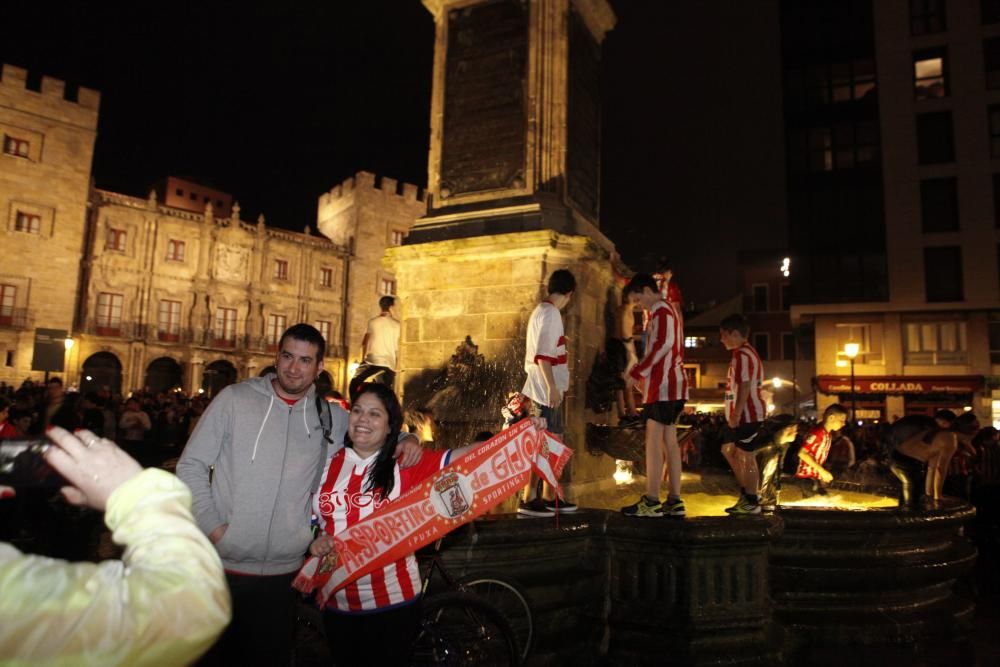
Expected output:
{"points": [[851, 351]]}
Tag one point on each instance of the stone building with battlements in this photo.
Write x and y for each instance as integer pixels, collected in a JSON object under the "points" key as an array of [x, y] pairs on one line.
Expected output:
{"points": [[161, 295], [48, 144]]}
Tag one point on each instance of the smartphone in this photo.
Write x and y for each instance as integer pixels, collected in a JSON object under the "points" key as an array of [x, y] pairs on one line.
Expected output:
{"points": [[22, 465]]}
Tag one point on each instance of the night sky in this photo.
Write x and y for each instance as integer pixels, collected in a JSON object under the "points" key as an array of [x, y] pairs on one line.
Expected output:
{"points": [[278, 102]]}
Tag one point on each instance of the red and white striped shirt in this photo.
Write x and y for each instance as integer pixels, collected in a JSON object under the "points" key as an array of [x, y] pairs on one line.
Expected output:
{"points": [[662, 367], [746, 366], [817, 445], [342, 502]]}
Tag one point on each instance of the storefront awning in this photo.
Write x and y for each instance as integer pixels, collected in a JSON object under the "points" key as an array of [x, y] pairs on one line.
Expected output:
{"points": [[901, 384]]}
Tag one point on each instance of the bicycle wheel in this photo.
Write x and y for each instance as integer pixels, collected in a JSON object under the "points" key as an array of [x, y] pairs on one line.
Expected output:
{"points": [[458, 629], [509, 597]]}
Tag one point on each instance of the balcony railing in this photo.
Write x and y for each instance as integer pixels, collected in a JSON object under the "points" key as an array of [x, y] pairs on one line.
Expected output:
{"points": [[15, 318], [151, 333]]}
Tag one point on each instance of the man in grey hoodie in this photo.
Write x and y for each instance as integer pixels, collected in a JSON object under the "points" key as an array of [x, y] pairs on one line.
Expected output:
{"points": [[251, 464]]}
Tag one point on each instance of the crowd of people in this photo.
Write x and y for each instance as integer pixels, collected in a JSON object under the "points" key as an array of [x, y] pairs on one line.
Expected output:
{"points": [[269, 473], [151, 426]]}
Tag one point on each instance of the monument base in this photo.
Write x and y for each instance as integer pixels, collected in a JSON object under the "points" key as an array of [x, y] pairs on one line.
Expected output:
{"points": [[484, 288]]}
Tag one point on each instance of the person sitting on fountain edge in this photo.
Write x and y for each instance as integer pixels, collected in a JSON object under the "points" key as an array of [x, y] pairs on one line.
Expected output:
{"points": [[745, 409], [548, 378], [812, 476], [664, 394]]}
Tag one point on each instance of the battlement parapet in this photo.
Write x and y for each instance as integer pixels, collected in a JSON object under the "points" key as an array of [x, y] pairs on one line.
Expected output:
{"points": [[51, 98], [341, 196]]}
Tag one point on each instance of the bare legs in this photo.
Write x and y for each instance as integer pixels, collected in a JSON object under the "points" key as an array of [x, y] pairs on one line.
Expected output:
{"points": [[937, 454], [744, 465], [661, 447]]}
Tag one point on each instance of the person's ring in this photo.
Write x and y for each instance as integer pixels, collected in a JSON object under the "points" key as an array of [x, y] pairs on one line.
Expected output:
{"points": [[90, 442], [97, 477]]}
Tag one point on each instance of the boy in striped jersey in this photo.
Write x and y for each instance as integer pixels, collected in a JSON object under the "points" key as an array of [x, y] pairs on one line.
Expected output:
{"points": [[661, 371], [746, 408]]}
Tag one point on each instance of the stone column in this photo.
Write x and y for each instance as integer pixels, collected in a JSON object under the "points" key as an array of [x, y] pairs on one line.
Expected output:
{"points": [[514, 195]]}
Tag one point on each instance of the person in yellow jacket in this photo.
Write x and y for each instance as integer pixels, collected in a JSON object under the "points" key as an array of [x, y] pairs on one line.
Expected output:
{"points": [[164, 603]]}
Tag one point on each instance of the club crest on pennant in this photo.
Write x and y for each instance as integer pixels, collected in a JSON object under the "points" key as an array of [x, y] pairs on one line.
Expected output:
{"points": [[452, 495], [328, 563]]}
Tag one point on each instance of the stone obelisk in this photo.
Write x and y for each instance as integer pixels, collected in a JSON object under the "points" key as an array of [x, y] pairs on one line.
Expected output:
{"points": [[513, 194]]}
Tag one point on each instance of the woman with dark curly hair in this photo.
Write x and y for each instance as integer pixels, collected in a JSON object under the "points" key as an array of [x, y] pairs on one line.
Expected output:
{"points": [[373, 620]]}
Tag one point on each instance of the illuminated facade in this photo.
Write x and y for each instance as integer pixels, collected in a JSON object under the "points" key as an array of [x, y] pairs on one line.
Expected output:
{"points": [[48, 143], [175, 290], [893, 191]]}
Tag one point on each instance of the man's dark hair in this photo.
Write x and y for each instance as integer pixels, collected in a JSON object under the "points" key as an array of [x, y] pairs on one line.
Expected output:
{"points": [[735, 322], [664, 264], [307, 334], [386, 302], [639, 282], [835, 409], [561, 282], [55, 380]]}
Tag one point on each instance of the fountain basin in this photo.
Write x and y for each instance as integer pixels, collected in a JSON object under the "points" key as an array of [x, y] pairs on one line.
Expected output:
{"points": [[802, 586]]}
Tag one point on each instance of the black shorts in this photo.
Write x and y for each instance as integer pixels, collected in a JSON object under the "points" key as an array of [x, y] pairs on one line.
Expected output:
{"points": [[742, 436], [663, 412]]}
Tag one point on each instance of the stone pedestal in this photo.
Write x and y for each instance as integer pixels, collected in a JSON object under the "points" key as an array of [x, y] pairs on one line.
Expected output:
{"points": [[485, 287]]}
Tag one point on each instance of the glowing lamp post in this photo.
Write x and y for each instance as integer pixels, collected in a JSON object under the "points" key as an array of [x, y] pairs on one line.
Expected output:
{"points": [[851, 351]]}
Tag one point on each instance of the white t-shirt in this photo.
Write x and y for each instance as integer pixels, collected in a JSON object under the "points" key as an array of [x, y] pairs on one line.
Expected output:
{"points": [[545, 340], [383, 341]]}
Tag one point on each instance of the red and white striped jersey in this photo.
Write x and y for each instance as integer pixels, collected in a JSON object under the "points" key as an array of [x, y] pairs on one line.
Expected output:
{"points": [[817, 444], [662, 367], [746, 366], [342, 502]]}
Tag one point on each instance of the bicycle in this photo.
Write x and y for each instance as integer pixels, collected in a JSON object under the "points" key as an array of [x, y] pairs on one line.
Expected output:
{"points": [[500, 594]]}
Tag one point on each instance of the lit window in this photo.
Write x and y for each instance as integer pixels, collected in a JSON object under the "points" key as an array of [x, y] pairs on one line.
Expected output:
{"points": [[170, 320], [935, 343], [8, 297], [27, 222], [324, 329], [325, 277], [929, 74], [280, 269], [867, 336], [397, 237], [116, 240], [15, 146], [275, 327], [694, 341], [109, 313], [387, 287], [225, 327], [175, 250]]}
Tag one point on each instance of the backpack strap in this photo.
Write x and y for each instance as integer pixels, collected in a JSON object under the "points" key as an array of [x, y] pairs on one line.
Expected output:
{"points": [[326, 424]]}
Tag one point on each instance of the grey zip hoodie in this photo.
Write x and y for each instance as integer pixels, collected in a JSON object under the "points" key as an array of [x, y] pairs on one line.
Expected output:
{"points": [[266, 456]]}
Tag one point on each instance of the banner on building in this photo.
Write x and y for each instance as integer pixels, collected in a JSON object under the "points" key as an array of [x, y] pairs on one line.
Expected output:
{"points": [[901, 384]]}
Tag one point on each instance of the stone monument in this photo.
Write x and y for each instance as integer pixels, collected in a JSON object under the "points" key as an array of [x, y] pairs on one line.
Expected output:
{"points": [[513, 194]]}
